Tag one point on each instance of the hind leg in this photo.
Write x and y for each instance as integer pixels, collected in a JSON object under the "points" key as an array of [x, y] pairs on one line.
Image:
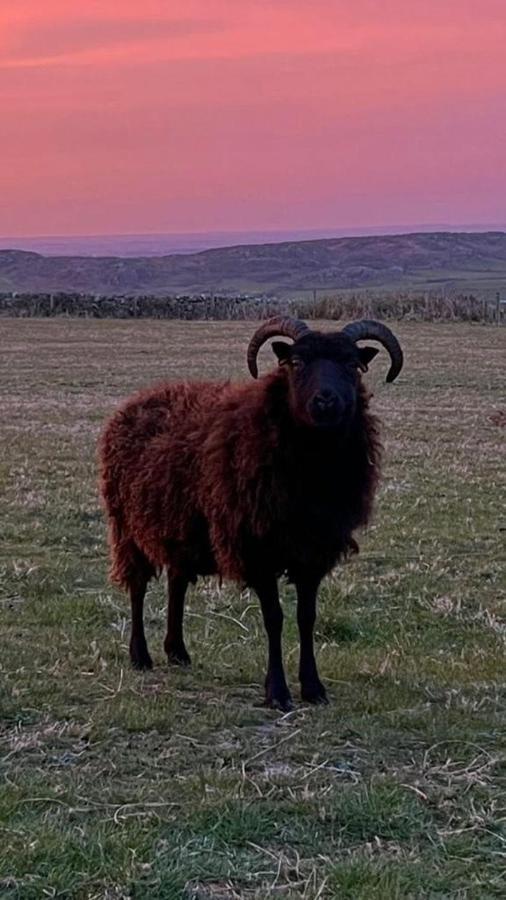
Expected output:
{"points": [[175, 649], [131, 570], [139, 654]]}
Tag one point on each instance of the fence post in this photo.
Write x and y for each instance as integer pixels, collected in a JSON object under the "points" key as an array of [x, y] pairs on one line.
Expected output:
{"points": [[498, 308]]}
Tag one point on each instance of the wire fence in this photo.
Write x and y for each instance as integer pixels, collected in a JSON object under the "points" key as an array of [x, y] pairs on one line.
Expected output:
{"points": [[422, 306]]}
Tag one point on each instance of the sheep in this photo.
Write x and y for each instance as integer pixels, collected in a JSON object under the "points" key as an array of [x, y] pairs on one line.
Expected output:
{"points": [[249, 481]]}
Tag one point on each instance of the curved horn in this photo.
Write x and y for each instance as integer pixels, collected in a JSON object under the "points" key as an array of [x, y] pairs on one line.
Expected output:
{"points": [[284, 326], [376, 331]]}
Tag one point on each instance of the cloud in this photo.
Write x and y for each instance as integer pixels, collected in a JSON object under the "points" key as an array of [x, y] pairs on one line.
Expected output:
{"points": [[148, 114], [220, 29], [74, 39]]}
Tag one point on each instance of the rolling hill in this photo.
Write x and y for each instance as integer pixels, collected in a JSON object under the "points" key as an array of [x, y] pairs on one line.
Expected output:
{"points": [[461, 260]]}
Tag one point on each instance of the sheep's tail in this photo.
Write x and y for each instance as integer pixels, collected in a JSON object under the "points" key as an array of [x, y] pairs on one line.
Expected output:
{"points": [[120, 551], [128, 564]]}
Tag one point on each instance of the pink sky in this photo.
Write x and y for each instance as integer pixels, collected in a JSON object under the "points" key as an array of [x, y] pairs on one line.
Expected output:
{"points": [[197, 115]]}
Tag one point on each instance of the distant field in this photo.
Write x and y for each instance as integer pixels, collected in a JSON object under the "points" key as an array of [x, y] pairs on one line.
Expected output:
{"points": [[180, 784]]}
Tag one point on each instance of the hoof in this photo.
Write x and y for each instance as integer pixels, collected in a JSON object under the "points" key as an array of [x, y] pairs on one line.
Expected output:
{"points": [[177, 655], [141, 661], [139, 655], [314, 692], [285, 705], [279, 698]]}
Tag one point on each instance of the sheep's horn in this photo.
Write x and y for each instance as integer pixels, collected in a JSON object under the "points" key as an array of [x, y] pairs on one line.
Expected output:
{"points": [[284, 326], [376, 331]]}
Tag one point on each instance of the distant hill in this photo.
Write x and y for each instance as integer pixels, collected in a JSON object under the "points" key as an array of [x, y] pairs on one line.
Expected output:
{"points": [[167, 243], [464, 261]]}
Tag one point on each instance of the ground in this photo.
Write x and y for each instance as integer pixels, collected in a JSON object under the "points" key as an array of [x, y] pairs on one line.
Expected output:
{"points": [[179, 784]]}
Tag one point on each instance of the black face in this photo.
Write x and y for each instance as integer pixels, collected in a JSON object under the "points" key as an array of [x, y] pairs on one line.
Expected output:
{"points": [[323, 375]]}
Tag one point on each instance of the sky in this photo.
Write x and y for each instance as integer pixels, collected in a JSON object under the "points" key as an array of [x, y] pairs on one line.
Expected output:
{"points": [[206, 115]]}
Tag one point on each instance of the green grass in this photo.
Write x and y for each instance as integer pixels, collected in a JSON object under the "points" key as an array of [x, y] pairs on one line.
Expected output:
{"points": [[181, 784]]}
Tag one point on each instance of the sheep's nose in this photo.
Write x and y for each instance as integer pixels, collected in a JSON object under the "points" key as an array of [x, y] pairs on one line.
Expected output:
{"points": [[325, 400]]}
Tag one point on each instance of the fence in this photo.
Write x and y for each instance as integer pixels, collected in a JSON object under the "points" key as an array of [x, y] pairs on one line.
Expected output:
{"points": [[413, 306]]}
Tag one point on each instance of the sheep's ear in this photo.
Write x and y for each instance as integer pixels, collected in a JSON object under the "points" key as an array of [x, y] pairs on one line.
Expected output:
{"points": [[366, 355], [283, 351]]}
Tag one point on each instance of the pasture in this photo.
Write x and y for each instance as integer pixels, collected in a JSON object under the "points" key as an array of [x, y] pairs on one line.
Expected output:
{"points": [[179, 784]]}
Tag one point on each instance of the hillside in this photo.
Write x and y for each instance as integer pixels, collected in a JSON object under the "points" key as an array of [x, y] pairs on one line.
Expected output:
{"points": [[463, 260]]}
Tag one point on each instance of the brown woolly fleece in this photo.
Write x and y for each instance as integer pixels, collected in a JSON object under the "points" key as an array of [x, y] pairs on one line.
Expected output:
{"points": [[217, 478]]}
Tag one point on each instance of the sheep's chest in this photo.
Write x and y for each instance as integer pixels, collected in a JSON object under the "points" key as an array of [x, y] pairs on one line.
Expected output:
{"points": [[307, 517]]}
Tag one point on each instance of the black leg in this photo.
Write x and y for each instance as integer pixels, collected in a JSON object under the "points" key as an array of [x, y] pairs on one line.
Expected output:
{"points": [[277, 694], [175, 649], [312, 690], [139, 654]]}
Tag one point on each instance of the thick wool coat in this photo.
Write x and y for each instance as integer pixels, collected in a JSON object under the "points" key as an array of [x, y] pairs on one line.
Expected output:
{"points": [[207, 478]]}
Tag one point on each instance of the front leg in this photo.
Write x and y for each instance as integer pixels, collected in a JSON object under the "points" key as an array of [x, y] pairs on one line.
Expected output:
{"points": [[277, 694], [311, 688]]}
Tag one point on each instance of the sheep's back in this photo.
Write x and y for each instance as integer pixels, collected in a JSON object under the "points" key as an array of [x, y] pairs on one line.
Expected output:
{"points": [[147, 454]]}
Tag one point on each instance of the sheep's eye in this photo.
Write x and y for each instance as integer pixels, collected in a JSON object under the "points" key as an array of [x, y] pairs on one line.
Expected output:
{"points": [[297, 362]]}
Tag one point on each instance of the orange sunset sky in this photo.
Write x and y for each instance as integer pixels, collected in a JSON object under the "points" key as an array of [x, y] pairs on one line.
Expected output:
{"points": [[194, 115]]}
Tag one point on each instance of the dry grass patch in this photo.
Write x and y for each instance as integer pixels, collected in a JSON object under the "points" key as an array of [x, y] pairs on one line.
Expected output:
{"points": [[180, 784]]}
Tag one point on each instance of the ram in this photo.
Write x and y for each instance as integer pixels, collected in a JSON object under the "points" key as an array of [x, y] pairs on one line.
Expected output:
{"points": [[250, 481]]}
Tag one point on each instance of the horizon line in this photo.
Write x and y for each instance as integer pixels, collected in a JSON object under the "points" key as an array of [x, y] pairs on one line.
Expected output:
{"points": [[366, 229]]}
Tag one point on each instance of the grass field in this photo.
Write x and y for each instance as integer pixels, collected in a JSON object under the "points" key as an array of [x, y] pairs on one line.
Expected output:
{"points": [[180, 784]]}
